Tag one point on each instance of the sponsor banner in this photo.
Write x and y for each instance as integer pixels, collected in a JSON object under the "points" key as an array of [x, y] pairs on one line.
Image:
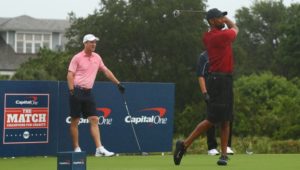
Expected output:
{"points": [[35, 120], [151, 107], [26, 118], [29, 111]]}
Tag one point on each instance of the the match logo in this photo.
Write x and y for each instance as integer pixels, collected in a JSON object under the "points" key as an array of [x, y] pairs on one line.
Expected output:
{"points": [[26, 118]]}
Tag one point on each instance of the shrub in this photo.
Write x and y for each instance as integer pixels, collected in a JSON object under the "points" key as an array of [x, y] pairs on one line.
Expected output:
{"points": [[267, 105], [187, 120]]}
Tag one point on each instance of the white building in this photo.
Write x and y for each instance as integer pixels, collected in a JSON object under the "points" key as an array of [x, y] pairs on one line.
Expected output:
{"points": [[22, 37]]}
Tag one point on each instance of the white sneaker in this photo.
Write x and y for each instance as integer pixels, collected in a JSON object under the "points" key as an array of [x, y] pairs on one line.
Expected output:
{"points": [[77, 149], [101, 151], [229, 151], [213, 152]]}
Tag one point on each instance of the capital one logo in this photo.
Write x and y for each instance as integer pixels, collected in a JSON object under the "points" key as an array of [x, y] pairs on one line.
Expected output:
{"points": [[32, 100], [154, 115], [103, 120]]}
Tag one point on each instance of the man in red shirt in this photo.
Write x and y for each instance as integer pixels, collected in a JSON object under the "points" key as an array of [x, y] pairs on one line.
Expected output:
{"points": [[219, 93], [202, 74]]}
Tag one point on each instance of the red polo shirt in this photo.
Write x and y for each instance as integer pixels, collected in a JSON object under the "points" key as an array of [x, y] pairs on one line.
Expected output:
{"points": [[218, 45]]}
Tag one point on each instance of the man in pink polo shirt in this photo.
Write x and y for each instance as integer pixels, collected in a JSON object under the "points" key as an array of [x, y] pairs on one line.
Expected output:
{"points": [[82, 72]]}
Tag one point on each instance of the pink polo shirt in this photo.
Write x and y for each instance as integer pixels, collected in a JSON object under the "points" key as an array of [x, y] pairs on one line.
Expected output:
{"points": [[85, 68]]}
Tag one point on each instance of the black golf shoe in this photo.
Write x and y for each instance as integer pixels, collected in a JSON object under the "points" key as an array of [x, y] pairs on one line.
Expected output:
{"points": [[178, 153], [223, 160]]}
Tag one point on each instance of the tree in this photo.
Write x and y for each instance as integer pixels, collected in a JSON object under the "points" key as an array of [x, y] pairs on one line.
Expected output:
{"points": [[48, 66], [288, 51], [267, 105], [258, 39]]}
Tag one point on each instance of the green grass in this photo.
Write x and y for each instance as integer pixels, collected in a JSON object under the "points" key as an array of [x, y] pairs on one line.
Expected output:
{"points": [[157, 162]]}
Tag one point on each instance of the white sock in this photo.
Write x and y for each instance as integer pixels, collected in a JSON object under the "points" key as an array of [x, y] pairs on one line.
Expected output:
{"points": [[100, 148]]}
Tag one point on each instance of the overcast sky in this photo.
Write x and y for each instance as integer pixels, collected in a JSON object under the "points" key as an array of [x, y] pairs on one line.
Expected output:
{"points": [[59, 9]]}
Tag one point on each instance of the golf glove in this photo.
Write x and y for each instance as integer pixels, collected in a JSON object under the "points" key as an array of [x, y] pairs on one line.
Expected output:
{"points": [[206, 97], [121, 88]]}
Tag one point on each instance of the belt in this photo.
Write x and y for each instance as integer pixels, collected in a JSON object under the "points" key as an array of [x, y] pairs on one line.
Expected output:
{"points": [[220, 74], [82, 88]]}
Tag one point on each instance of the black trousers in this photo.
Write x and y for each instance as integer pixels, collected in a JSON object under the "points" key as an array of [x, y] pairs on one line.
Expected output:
{"points": [[220, 104], [82, 103]]}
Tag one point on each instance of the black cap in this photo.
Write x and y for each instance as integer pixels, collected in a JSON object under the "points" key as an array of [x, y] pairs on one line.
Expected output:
{"points": [[214, 13]]}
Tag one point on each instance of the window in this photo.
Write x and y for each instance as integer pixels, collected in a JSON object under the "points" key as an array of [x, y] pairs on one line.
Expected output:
{"points": [[37, 42], [46, 41], [28, 42], [28, 47], [32, 43], [28, 37], [19, 47], [47, 37], [38, 37], [20, 37], [46, 45], [20, 43], [37, 47]]}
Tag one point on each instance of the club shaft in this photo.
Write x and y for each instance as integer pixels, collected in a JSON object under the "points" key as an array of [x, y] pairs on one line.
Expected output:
{"points": [[134, 133], [192, 11]]}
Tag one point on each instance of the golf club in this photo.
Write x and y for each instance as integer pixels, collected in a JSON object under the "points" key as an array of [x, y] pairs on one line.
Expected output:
{"points": [[133, 130], [177, 12]]}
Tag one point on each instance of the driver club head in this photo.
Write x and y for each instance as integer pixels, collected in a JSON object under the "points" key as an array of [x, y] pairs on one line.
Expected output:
{"points": [[176, 13]]}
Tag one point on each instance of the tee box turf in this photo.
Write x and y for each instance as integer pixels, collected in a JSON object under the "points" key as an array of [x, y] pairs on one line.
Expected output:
{"points": [[71, 161]]}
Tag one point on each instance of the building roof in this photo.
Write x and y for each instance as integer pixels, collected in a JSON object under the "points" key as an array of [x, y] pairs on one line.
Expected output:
{"points": [[27, 23], [10, 61]]}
